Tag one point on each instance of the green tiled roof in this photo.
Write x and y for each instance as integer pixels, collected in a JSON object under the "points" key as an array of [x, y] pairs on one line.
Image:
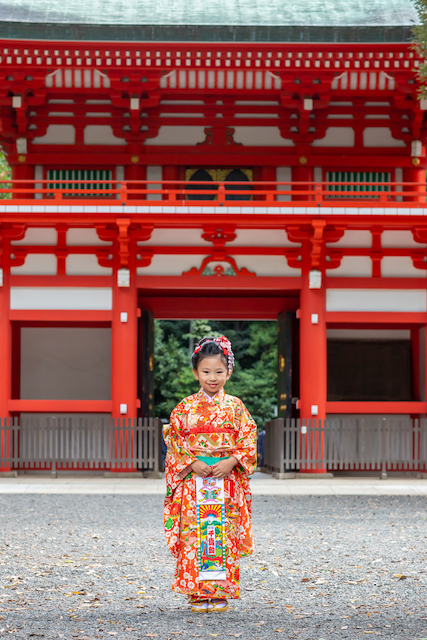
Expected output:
{"points": [[255, 20]]}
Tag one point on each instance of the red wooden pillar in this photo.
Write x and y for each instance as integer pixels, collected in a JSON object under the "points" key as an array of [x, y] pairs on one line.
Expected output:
{"points": [[5, 359], [417, 176], [313, 363], [302, 173], [268, 174], [124, 351], [124, 357], [170, 172], [23, 171], [136, 172]]}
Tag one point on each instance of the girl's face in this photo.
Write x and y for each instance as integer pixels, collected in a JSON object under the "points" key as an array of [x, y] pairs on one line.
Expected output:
{"points": [[212, 374]]}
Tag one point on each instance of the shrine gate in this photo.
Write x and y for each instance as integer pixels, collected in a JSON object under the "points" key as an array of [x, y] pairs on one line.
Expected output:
{"points": [[182, 169]]}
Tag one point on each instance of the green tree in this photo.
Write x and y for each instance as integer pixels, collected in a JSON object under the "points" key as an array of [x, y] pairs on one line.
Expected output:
{"points": [[5, 174], [254, 378]]}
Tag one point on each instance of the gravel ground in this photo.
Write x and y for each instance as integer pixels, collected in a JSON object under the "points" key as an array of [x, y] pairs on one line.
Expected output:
{"points": [[85, 567]]}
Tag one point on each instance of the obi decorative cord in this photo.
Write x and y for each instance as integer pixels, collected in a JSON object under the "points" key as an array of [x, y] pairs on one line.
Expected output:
{"points": [[210, 528]]}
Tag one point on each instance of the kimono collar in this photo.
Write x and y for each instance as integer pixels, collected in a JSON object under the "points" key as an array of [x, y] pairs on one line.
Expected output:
{"points": [[218, 397]]}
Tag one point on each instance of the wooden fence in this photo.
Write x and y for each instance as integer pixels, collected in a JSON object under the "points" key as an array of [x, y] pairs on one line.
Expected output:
{"points": [[344, 444], [81, 443]]}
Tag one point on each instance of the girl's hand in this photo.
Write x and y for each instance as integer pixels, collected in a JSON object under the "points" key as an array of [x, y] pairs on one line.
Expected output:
{"points": [[222, 469], [201, 468]]}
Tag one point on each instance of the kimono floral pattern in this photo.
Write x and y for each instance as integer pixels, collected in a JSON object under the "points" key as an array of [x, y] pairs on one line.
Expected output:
{"points": [[219, 427]]}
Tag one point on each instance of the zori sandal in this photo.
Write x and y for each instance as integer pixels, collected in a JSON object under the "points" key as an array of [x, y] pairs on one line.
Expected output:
{"points": [[202, 606], [219, 606]]}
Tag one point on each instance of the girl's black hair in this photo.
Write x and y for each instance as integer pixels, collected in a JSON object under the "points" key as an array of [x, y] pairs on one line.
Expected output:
{"points": [[208, 348]]}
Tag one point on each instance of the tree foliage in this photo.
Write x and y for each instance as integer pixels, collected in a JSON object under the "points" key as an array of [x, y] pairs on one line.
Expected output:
{"points": [[254, 378], [5, 174], [420, 44]]}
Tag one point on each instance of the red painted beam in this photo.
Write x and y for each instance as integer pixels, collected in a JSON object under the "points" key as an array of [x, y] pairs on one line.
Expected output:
{"points": [[222, 284], [58, 315], [60, 406], [376, 407], [218, 308], [60, 281]]}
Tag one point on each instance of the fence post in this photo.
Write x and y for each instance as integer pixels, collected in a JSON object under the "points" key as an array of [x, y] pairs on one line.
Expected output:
{"points": [[384, 423]]}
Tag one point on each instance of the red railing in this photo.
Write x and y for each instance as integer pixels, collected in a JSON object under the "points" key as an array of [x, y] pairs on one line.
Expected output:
{"points": [[217, 194]]}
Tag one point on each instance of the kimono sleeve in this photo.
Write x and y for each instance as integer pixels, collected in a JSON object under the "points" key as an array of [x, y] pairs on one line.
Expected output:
{"points": [[178, 456], [246, 449]]}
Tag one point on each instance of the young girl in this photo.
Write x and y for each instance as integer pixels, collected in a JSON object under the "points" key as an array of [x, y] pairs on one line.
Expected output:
{"points": [[211, 443]]}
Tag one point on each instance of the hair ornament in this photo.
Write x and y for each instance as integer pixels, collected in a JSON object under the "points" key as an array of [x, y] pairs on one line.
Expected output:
{"points": [[225, 344]]}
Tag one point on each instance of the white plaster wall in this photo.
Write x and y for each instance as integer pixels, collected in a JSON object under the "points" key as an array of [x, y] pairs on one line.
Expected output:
{"points": [[39, 237], [65, 363], [368, 334], [260, 137], [410, 300], [400, 267], [380, 137], [336, 137], [85, 265], [353, 239], [38, 175], [284, 174], [177, 237], [81, 237], [36, 265], [162, 265], [399, 238], [170, 265], [262, 238], [58, 134], [183, 136], [271, 266], [63, 298], [398, 177], [101, 134], [352, 267], [318, 174], [154, 173]]}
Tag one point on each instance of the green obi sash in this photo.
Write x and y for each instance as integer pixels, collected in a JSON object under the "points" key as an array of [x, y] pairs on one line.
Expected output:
{"points": [[209, 460]]}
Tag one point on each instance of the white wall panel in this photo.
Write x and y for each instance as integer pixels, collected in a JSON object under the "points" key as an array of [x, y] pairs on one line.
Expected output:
{"points": [[170, 265], [177, 237], [336, 137], [262, 238], [39, 237], [183, 136], [400, 267], [154, 173], [399, 238], [271, 266], [284, 174], [260, 137], [101, 134], [410, 300], [65, 363], [380, 137], [81, 237], [352, 267], [83, 298], [36, 265], [85, 265], [354, 239], [58, 134]]}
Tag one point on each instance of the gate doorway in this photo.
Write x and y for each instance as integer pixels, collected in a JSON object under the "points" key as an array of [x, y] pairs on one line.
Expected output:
{"points": [[237, 314]]}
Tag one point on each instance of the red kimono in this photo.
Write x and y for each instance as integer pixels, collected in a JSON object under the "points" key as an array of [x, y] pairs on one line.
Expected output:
{"points": [[216, 427]]}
